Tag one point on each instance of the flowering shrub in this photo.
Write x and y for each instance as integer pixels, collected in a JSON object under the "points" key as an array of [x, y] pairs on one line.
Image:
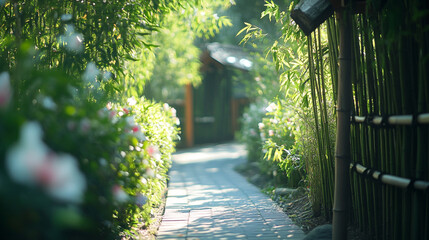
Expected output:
{"points": [[250, 133], [71, 168], [269, 133]]}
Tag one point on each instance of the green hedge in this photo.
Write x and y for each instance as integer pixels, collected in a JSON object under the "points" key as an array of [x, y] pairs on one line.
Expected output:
{"points": [[71, 168]]}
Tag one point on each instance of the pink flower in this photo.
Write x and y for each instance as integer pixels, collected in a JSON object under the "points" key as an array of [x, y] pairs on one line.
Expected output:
{"points": [[166, 106], [112, 114], [31, 163], [62, 179], [150, 172], [252, 132], [270, 133], [119, 194], [154, 152], [173, 112], [85, 125], [261, 126], [109, 106], [134, 128], [5, 90]]}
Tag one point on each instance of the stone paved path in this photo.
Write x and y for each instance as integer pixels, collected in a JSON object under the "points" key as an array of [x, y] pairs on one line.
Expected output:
{"points": [[207, 199]]}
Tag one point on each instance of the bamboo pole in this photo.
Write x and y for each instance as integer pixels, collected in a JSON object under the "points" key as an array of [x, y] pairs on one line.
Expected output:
{"points": [[342, 146]]}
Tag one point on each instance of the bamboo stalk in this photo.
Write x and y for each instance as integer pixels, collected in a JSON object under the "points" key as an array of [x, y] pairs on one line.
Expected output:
{"points": [[342, 152], [324, 184]]}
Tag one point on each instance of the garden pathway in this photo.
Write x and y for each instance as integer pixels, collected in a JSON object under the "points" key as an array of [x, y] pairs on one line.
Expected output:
{"points": [[207, 199]]}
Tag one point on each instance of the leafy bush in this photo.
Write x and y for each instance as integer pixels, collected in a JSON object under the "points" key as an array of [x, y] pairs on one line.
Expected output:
{"points": [[250, 133], [269, 134], [306, 98], [280, 126]]}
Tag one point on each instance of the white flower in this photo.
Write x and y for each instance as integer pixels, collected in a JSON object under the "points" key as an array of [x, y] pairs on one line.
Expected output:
{"points": [[143, 180], [30, 162], [5, 90], [90, 74], [74, 43], [71, 40], [24, 159], [150, 172], [131, 101], [261, 125], [271, 108], [68, 183], [49, 103], [274, 121], [262, 135], [66, 17], [102, 162], [119, 194]]}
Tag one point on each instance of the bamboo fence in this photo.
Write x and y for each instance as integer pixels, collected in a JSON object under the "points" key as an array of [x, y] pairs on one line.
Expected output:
{"points": [[389, 133], [389, 138]]}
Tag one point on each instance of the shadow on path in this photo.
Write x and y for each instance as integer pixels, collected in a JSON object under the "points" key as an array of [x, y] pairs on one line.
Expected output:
{"points": [[207, 199]]}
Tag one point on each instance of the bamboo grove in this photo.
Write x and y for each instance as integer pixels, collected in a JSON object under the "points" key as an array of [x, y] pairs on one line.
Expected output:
{"points": [[321, 60], [390, 56]]}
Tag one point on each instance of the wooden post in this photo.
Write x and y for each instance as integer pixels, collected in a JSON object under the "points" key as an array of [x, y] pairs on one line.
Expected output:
{"points": [[189, 115], [234, 114], [342, 145]]}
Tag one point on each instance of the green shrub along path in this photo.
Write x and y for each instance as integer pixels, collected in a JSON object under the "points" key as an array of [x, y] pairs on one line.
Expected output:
{"points": [[207, 199]]}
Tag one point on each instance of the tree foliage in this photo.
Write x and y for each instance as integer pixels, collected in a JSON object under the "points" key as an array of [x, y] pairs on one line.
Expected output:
{"points": [[177, 62]]}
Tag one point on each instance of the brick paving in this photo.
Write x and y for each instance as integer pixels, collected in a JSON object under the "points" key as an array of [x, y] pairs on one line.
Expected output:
{"points": [[207, 199]]}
